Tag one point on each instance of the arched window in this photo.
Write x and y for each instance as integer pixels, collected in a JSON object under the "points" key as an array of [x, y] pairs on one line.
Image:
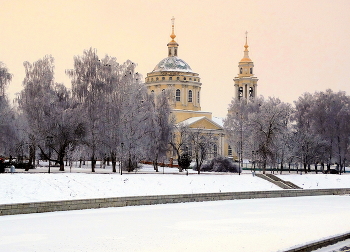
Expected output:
{"points": [[184, 78], [251, 92], [190, 96], [157, 78], [241, 70], [170, 78], [198, 97], [251, 70], [178, 95], [152, 79], [240, 92], [178, 78], [175, 52], [163, 78]]}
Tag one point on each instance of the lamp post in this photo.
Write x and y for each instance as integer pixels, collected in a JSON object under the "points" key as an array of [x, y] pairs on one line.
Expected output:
{"points": [[121, 165], [49, 143]]}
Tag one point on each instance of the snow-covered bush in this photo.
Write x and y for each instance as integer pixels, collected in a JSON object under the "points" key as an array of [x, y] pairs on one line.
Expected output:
{"points": [[220, 164]]}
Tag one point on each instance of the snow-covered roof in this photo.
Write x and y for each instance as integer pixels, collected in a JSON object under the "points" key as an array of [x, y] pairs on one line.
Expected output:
{"points": [[172, 63], [218, 120], [192, 120]]}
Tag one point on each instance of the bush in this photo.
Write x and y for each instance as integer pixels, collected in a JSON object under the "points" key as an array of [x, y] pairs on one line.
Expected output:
{"points": [[184, 161], [220, 164]]}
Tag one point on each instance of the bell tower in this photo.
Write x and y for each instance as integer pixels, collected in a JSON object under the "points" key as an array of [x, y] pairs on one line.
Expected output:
{"points": [[245, 83]]}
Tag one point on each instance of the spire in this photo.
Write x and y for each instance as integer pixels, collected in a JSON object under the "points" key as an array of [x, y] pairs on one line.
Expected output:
{"points": [[246, 55], [172, 36], [172, 45]]}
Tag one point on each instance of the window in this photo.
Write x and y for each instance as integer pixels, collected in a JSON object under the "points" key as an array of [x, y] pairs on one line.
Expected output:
{"points": [[175, 52], [241, 70], [152, 91], [198, 97], [184, 78], [152, 79], [229, 150], [251, 70], [190, 78], [178, 78], [251, 92], [163, 90], [163, 78], [157, 78], [178, 95], [170, 78], [169, 54], [215, 147], [195, 79], [240, 92], [190, 96]]}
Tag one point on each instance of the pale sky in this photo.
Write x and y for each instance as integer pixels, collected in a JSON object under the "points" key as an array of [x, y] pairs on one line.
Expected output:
{"points": [[297, 46]]}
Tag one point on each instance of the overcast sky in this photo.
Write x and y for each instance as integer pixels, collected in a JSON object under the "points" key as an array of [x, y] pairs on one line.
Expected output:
{"points": [[297, 46]]}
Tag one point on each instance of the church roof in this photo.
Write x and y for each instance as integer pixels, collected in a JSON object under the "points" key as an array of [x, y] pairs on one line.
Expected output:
{"points": [[172, 63], [194, 120]]}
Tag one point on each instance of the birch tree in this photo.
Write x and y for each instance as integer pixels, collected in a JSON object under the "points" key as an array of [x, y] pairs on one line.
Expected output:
{"points": [[53, 118], [161, 127]]}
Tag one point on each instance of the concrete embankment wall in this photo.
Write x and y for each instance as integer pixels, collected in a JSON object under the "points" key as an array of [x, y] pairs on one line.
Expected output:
{"points": [[66, 205]]}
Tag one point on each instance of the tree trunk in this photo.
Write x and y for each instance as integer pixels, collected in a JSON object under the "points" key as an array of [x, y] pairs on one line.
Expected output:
{"points": [[316, 168], [281, 167], [61, 162], [93, 164], [155, 165]]}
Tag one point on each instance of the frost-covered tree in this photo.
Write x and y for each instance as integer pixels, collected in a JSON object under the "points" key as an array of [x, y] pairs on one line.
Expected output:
{"points": [[259, 124], [201, 142], [115, 107], [322, 119], [160, 127], [54, 119], [7, 116], [5, 78]]}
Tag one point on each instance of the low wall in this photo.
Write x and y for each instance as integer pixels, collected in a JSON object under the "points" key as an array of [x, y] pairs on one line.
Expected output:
{"points": [[320, 244], [66, 205]]}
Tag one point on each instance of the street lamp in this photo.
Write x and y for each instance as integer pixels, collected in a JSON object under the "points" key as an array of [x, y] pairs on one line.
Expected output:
{"points": [[121, 165], [49, 144]]}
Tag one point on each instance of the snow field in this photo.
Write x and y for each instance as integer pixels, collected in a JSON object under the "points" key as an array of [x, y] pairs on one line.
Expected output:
{"points": [[263, 225]]}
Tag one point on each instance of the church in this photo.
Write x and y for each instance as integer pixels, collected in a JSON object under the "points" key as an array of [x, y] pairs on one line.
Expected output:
{"points": [[174, 73]]}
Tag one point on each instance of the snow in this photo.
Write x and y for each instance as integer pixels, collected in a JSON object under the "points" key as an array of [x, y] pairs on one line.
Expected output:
{"points": [[34, 187], [262, 225], [318, 181], [238, 225]]}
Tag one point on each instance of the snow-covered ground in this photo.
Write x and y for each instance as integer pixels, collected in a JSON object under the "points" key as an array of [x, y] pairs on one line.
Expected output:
{"points": [[240, 225], [20, 187], [38, 185], [256, 225], [318, 181]]}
